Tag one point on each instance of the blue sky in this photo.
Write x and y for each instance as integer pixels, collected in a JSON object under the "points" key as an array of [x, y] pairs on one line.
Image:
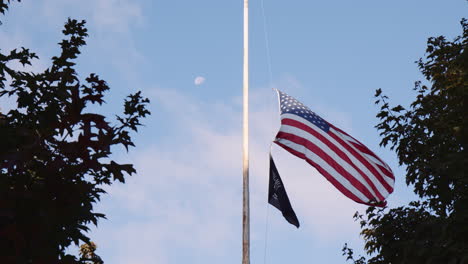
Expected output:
{"points": [[184, 205]]}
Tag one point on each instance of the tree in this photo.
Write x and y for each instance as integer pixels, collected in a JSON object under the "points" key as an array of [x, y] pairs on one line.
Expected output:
{"points": [[430, 139], [87, 253], [4, 6], [55, 155]]}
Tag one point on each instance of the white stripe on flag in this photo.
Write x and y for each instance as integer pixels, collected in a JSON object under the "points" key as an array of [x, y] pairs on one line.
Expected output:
{"points": [[378, 185], [317, 159], [351, 170], [372, 160]]}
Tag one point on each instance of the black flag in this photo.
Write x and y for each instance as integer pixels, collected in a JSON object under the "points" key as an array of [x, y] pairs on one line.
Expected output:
{"points": [[278, 197]]}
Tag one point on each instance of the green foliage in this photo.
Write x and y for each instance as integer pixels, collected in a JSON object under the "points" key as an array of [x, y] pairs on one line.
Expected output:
{"points": [[431, 141], [55, 156], [88, 255], [4, 6]]}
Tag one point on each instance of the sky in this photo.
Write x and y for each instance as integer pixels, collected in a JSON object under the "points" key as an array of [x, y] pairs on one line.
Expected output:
{"points": [[184, 205]]}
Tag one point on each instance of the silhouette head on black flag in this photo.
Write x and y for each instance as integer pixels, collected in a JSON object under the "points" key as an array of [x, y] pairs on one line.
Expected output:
{"points": [[278, 197]]}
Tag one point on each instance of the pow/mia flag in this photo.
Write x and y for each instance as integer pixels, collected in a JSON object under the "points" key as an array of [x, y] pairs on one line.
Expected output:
{"points": [[278, 197]]}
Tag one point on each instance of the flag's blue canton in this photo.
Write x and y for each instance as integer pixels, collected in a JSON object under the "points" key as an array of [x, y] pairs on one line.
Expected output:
{"points": [[289, 105]]}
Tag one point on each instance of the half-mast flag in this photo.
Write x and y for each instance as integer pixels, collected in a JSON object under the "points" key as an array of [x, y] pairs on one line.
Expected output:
{"points": [[344, 161], [278, 197]]}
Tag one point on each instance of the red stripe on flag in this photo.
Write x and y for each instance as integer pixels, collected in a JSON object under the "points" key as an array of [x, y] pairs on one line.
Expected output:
{"points": [[361, 147], [334, 148], [364, 149], [335, 165], [327, 176], [363, 160]]}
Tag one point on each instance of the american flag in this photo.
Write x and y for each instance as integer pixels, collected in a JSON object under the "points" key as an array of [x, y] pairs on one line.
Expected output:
{"points": [[344, 161]]}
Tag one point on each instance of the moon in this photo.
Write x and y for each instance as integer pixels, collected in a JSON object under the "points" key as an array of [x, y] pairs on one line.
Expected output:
{"points": [[199, 80]]}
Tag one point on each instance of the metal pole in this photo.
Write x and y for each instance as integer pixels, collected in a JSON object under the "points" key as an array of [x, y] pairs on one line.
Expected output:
{"points": [[245, 149]]}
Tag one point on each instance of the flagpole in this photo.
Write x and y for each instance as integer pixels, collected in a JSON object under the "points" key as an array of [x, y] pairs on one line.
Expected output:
{"points": [[245, 149]]}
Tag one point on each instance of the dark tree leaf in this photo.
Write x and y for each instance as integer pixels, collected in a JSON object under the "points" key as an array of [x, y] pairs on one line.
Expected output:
{"points": [[57, 156], [431, 141]]}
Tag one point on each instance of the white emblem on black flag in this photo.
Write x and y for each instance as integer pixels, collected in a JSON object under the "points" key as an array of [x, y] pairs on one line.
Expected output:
{"points": [[278, 197]]}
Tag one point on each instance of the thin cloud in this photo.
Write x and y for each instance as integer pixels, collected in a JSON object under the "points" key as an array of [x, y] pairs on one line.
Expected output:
{"points": [[117, 14], [188, 196], [106, 15]]}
